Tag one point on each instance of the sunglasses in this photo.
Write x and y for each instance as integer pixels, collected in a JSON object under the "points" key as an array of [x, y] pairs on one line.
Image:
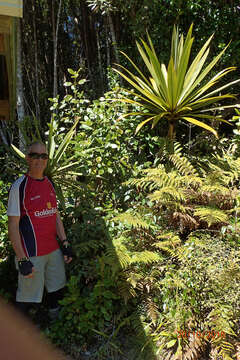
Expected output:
{"points": [[34, 155]]}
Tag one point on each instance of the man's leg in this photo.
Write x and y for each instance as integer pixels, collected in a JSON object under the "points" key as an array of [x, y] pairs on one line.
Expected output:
{"points": [[53, 303], [55, 280], [30, 290], [23, 307]]}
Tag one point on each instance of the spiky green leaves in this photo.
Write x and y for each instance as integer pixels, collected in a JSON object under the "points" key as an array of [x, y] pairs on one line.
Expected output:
{"points": [[178, 91]]}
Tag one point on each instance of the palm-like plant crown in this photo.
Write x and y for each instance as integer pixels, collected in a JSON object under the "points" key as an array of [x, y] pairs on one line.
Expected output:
{"points": [[177, 91]]}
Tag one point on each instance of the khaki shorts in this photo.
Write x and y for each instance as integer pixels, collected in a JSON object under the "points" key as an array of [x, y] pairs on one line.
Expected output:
{"points": [[49, 273]]}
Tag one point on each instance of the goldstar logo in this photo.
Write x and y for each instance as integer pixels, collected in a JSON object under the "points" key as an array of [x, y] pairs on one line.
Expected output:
{"points": [[45, 212], [49, 205]]}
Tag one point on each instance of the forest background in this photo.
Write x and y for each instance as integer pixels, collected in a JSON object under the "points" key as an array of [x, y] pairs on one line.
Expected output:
{"points": [[154, 227]]}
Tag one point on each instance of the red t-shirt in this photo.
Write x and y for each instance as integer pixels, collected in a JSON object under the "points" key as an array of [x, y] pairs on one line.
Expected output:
{"points": [[35, 202]]}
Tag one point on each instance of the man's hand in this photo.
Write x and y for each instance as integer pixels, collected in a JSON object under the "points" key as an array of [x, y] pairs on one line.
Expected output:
{"points": [[26, 268], [67, 252]]}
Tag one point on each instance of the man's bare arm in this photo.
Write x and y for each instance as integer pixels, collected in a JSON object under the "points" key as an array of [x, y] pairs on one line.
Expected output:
{"points": [[62, 236], [14, 236], [60, 228]]}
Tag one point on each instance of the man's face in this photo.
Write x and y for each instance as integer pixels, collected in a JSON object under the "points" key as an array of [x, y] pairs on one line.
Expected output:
{"points": [[36, 164]]}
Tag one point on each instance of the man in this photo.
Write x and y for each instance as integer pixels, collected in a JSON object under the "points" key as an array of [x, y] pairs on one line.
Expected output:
{"points": [[34, 225]]}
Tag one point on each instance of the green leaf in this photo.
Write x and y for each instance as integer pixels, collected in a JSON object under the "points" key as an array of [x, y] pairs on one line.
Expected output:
{"points": [[18, 152], [171, 343], [201, 124]]}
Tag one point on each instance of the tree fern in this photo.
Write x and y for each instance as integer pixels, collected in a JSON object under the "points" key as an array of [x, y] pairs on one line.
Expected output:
{"points": [[151, 309], [133, 278], [133, 220], [155, 178], [216, 189], [117, 255], [171, 241], [221, 176], [145, 257], [168, 193], [126, 290], [183, 165], [211, 215]]}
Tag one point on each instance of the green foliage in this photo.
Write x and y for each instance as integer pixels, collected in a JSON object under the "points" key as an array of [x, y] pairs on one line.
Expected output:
{"points": [[3, 219], [141, 272], [191, 198], [188, 285], [109, 151], [179, 91], [7, 271]]}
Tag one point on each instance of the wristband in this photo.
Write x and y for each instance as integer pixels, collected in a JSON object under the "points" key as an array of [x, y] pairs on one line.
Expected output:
{"points": [[23, 259], [67, 250]]}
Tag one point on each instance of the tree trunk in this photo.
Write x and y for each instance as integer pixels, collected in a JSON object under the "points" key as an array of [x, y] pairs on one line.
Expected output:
{"points": [[114, 42], [107, 45], [55, 43], [99, 58], [36, 62], [113, 36], [171, 130], [20, 93], [86, 36]]}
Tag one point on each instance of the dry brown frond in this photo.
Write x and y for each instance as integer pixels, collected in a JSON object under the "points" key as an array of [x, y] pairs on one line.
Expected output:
{"points": [[237, 355], [184, 221], [195, 348], [152, 310], [213, 354]]}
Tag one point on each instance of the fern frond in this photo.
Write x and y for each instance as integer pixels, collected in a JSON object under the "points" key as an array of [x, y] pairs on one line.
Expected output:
{"points": [[117, 255], [134, 278], [220, 319], [195, 348], [211, 215], [180, 253], [216, 189], [228, 163], [151, 176], [166, 194], [167, 246], [225, 349], [192, 181], [126, 291], [152, 310], [145, 257], [185, 221], [134, 220], [183, 165], [178, 148], [83, 247], [218, 175], [156, 178], [237, 354], [231, 272], [173, 243]]}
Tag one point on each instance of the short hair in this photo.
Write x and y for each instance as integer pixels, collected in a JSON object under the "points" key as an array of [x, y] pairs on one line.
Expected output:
{"points": [[35, 143]]}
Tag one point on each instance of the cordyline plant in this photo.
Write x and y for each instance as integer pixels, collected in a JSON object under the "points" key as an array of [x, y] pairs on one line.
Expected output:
{"points": [[177, 92]]}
